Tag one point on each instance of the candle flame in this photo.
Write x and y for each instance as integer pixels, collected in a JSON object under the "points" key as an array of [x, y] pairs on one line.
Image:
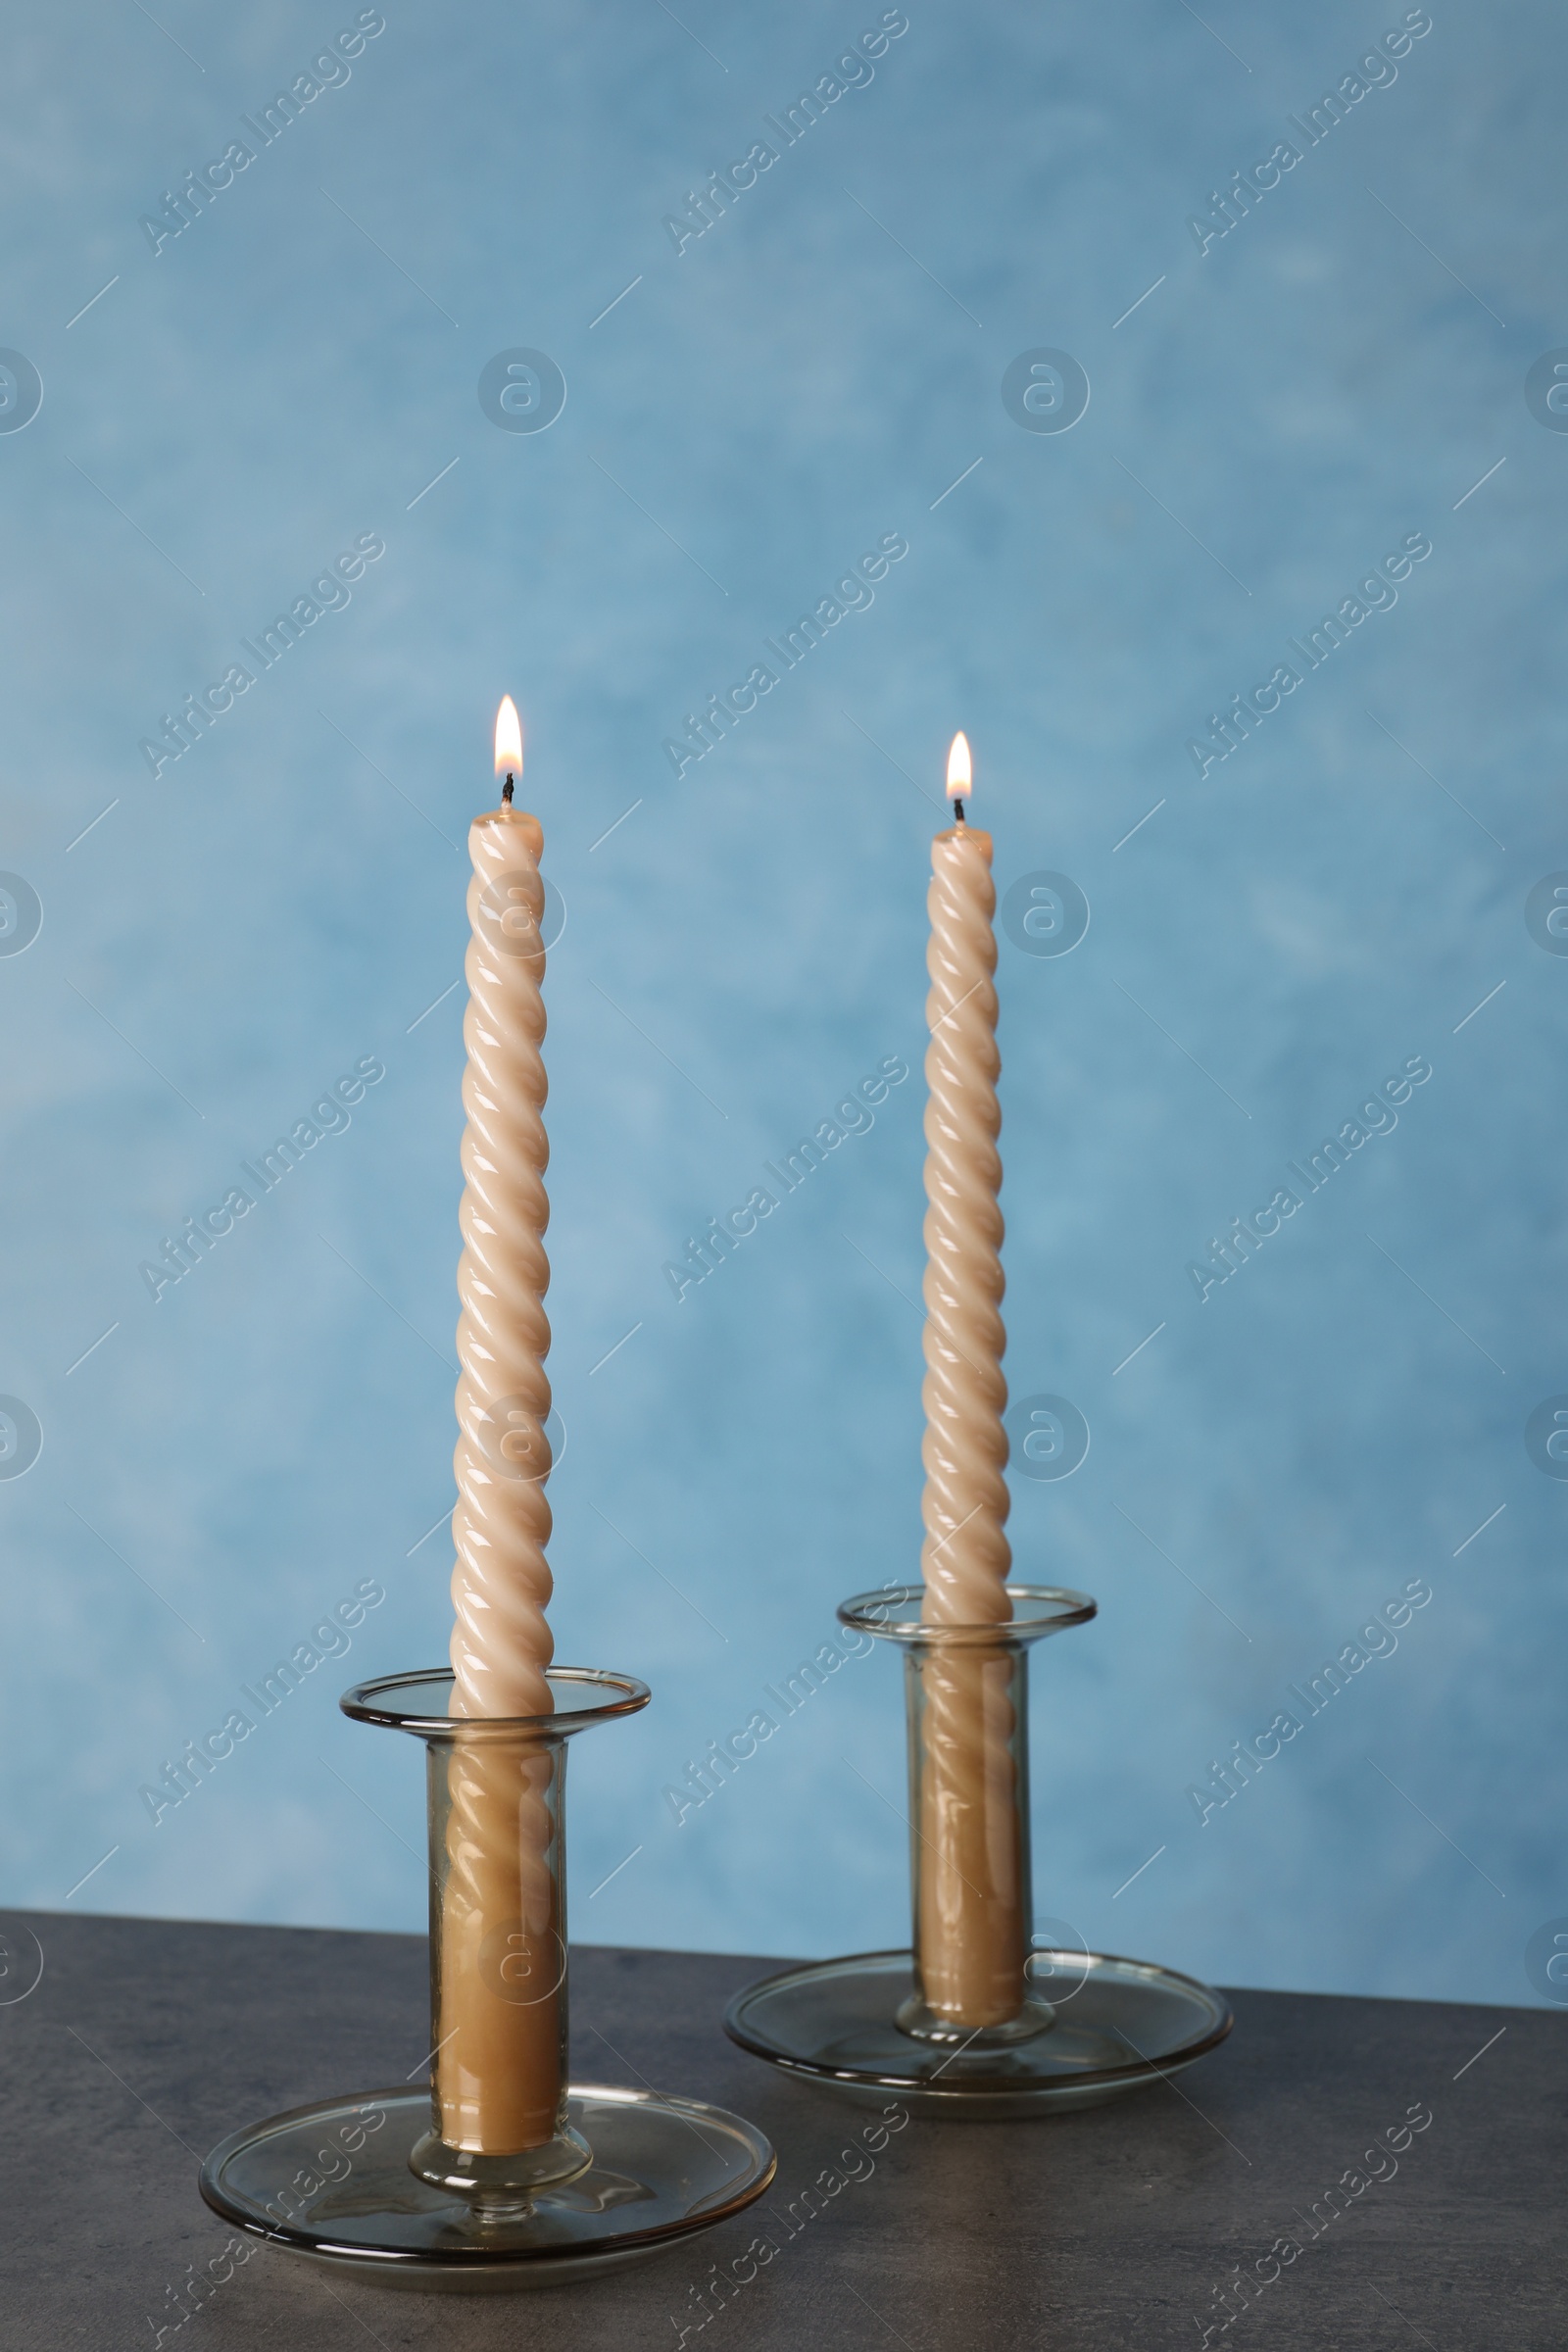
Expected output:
{"points": [[959, 771], [509, 738]]}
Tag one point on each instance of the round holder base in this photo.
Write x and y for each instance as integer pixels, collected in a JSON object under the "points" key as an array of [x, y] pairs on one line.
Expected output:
{"points": [[662, 2169], [1117, 2024]]}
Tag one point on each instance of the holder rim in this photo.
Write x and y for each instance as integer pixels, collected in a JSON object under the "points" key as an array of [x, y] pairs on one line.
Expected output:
{"points": [[1057, 1608], [367, 1702]]}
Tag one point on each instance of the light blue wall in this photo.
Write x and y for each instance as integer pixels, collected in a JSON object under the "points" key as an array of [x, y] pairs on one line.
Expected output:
{"points": [[287, 898]]}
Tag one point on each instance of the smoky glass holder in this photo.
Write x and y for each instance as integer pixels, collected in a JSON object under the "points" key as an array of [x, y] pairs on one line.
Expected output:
{"points": [[984, 2017], [498, 2173]]}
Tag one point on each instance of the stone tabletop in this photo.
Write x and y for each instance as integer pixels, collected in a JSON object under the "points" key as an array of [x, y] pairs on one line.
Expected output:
{"points": [[1354, 2173]]}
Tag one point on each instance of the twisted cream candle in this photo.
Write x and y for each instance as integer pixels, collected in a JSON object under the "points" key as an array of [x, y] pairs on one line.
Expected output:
{"points": [[501, 1645], [965, 1557], [973, 1938], [498, 2064]]}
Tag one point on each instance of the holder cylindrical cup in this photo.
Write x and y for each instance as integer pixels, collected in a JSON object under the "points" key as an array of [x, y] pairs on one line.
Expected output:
{"points": [[497, 1966], [498, 1928], [969, 1877], [967, 1699]]}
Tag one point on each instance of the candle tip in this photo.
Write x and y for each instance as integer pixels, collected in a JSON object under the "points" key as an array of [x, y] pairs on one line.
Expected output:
{"points": [[506, 794]]}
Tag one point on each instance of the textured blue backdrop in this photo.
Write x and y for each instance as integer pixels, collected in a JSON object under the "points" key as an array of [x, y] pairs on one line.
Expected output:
{"points": [[819, 368]]}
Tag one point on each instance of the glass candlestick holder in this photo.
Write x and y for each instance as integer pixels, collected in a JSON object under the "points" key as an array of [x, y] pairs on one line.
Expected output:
{"points": [[501, 2172], [983, 2016]]}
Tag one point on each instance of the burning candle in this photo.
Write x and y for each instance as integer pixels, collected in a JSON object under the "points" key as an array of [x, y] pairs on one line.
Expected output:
{"points": [[965, 1556], [501, 1645], [973, 1938], [498, 2063]]}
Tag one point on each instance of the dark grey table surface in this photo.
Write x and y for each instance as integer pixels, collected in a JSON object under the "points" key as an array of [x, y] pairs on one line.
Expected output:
{"points": [[146, 2041]]}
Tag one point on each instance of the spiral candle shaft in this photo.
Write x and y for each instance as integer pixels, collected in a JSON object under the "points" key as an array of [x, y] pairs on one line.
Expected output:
{"points": [[971, 1932], [498, 2064]]}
